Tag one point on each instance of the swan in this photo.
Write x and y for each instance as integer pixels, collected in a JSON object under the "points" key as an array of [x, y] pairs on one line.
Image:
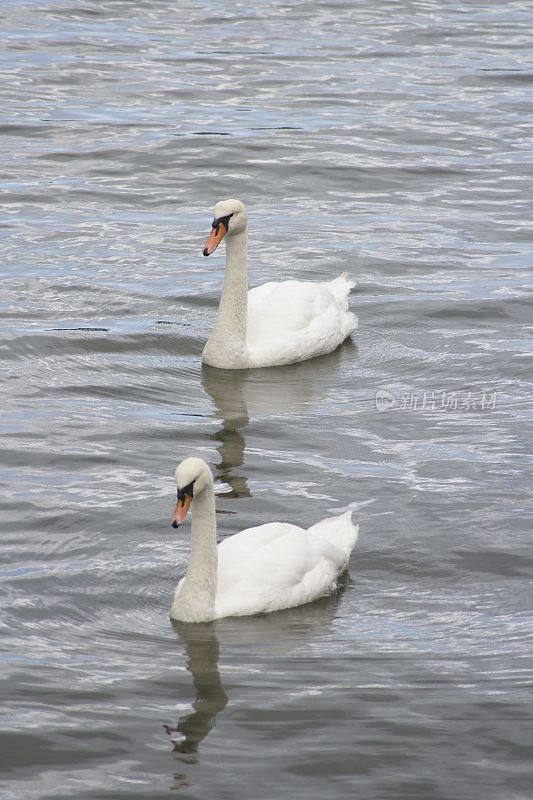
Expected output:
{"points": [[256, 571], [273, 324]]}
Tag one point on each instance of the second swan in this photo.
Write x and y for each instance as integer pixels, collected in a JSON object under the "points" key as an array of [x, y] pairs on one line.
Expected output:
{"points": [[259, 570]]}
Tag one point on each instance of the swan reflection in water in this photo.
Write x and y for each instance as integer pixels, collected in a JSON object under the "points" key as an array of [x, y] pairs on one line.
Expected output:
{"points": [[202, 662], [202, 649], [240, 394]]}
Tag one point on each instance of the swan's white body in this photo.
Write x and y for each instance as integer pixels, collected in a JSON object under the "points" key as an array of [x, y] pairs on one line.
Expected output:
{"points": [[277, 323], [261, 569]]}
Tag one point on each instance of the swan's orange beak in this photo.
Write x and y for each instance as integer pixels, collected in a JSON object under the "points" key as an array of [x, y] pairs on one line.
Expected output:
{"points": [[180, 512], [218, 232]]}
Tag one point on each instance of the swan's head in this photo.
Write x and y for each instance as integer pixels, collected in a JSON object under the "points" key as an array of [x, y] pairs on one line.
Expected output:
{"points": [[192, 477], [230, 218]]}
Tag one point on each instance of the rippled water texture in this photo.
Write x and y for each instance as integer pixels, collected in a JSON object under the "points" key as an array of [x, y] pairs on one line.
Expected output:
{"points": [[390, 139]]}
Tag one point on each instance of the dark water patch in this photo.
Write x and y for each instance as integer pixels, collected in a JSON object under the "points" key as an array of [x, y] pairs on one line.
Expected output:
{"points": [[508, 77], [496, 562], [278, 128], [211, 133], [470, 311], [26, 131], [19, 750], [94, 330], [39, 345]]}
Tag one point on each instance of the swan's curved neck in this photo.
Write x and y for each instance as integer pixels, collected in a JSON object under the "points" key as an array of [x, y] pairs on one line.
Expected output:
{"points": [[229, 331], [196, 600]]}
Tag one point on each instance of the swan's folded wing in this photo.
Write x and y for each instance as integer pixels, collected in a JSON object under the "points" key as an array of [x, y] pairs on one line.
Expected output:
{"points": [[271, 567], [290, 304], [237, 554], [295, 320]]}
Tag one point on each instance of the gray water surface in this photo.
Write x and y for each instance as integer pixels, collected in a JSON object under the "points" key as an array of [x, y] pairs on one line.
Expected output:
{"points": [[389, 139]]}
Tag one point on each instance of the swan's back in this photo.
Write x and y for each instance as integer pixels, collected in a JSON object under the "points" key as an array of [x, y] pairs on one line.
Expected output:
{"points": [[279, 565]]}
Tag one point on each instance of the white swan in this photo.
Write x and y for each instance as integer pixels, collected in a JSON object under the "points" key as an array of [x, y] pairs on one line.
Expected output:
{"points": [[273, 324], [258, 570]]}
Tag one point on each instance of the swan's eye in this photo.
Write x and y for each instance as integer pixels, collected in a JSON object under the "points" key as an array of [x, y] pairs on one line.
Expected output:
{"points": [[187, 490], [221, 220]]}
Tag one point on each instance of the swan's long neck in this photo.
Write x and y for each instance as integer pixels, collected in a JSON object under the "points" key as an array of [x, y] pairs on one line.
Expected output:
{"points": [[229, 332], [196, 600]]}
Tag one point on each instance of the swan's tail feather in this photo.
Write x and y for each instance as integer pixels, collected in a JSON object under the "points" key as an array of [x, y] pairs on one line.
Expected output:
{"points": [[341, 286], [340, 531]]}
